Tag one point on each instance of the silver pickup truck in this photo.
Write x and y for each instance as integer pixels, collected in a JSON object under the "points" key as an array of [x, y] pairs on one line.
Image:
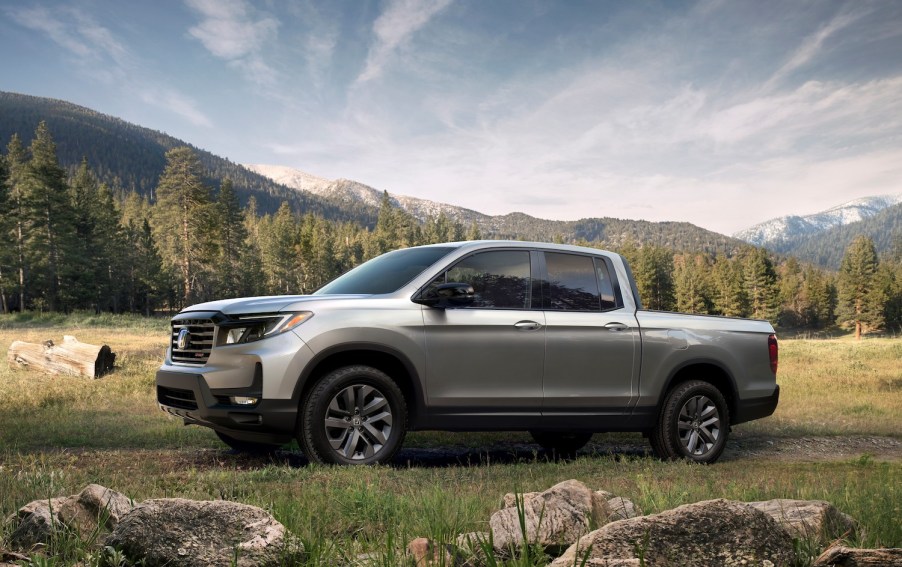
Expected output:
{"points": [[467, 336]]}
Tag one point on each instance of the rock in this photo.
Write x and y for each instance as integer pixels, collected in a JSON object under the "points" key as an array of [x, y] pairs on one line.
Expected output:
{"points": [[426, 553], [556, 517], [813, 520], [95, 506], [714, 532], [846, 557], [175, 531]]}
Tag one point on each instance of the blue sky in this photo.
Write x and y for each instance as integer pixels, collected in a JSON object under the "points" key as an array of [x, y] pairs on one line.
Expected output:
{"points": [[719, 113]]}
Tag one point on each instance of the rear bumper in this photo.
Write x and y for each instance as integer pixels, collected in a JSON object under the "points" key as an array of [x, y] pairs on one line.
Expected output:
{"points": [[187, 395], [756, 408]]}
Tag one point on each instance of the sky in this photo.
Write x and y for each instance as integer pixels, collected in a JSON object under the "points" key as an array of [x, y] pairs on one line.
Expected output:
{"points": [[719, 113]]}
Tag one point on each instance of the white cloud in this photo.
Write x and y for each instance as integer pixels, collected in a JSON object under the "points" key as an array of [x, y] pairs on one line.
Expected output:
{"points": [[105, 57], [394, 27], [230, 32]]}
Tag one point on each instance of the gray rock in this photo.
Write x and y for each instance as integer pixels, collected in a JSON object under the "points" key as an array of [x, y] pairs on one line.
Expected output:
{"points": [[175, 531], [813, 520], [94, 507], [714, 532], [556, 517], [847, 557]]}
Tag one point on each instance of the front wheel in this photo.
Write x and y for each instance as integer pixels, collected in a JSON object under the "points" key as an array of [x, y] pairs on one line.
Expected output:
{"points": [[354, 415], [693, 424]]}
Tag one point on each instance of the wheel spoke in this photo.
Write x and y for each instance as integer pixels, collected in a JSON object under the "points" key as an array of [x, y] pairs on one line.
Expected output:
{"points": [[337, 423], [374, 433], [362, 392], [693, 442], [377, 403], [708, 435], [334, 407]]}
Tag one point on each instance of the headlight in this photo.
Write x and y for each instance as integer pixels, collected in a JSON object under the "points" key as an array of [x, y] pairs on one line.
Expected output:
{"points": [[255, 327]]}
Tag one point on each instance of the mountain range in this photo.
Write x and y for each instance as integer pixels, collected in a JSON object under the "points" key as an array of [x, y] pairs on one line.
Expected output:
{"points": [[130, 157]]}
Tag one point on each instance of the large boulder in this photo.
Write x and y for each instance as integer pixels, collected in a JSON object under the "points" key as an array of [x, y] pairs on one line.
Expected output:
{"points": [[714, 532], [93, 509], [556, 517], [176, 531], [840, 556], [813, 520]]}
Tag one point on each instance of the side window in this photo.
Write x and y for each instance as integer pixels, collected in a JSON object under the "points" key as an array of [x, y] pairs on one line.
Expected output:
{"points": [[500, 278], [572, 284], [608, 298]]}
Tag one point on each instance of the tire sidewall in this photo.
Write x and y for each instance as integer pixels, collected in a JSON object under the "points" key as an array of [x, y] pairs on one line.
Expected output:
{"points": [[312, 434], [669, 428]]}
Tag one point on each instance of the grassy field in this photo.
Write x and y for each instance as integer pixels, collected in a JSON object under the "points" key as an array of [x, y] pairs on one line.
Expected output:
{"points": [[58, 434]]}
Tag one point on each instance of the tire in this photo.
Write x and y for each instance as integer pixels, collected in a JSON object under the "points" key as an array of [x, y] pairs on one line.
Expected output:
{"points": [[354, 415], [693, 425], [561, 442], [247, 446]]}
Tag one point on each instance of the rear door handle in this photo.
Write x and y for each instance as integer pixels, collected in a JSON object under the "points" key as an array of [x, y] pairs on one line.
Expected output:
{"points": [[527, 325], [616, 327]]}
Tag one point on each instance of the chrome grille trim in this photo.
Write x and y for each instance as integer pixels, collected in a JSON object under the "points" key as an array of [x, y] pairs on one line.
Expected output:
{"points": [[197, 351]]}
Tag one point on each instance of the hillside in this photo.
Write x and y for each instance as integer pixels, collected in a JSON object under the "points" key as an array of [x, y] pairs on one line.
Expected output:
{"points": [[130, 157], [826, 248], [612, 232], [782, 234]]}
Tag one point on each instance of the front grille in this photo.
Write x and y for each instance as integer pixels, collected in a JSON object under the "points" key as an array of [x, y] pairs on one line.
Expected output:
{"points": [[182, 399], [200, 341]]}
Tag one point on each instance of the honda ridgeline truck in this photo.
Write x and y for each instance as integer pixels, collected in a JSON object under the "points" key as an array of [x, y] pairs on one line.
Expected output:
{"points": [[467, 336]]}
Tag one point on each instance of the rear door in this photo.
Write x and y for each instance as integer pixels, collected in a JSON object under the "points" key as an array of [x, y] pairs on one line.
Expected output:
{"points": [[592, 342]]}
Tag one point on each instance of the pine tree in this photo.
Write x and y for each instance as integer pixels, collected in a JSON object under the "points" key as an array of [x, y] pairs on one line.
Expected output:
{"points": [[728, 294], [278, 236], [760, 282], [690, 283], [231, 237], [7, 244], [818, 299], [654, 277], [790, 294], [181, 221], [861, 299], [16, 163], [49, 219]]}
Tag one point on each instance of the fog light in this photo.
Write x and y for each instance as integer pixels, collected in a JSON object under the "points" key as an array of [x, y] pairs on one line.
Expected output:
{"points": [[243, 400]]}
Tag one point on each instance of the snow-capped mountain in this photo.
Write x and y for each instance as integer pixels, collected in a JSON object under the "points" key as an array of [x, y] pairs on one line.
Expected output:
{"points": [[345, 190], [773, 233]]}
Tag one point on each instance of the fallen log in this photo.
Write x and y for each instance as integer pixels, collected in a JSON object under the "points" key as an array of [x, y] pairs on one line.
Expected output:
{"points": [[70, 357]]}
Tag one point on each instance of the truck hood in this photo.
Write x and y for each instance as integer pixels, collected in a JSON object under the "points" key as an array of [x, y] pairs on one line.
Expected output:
{"points": [[269, 304]]}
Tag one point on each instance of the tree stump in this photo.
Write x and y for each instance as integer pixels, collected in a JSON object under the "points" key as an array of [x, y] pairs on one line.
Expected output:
{"points": [[71, 357]]}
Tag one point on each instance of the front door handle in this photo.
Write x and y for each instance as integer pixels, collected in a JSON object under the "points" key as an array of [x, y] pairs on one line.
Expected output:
{"points": [[527, 325], [616, 327]]}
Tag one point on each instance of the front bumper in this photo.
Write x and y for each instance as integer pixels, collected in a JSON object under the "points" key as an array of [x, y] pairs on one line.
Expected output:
{"points": [[186, 395], [756, 408]]}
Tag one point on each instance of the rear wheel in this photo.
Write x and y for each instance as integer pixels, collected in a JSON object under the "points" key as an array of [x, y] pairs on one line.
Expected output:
{"points": [[354, 415], [693, 425], [562, 442], [247, 446]]}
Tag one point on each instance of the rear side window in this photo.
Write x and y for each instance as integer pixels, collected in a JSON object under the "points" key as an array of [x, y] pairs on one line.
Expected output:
{"points": [[500, 278], [578, 283], [572, 283]]}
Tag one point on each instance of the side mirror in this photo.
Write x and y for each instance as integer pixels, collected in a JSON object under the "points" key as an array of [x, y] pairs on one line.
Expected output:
{"points": [[447, 295]]}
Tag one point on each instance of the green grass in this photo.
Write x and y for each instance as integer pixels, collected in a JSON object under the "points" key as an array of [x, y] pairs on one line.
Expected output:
{"points": [[58, 434]]}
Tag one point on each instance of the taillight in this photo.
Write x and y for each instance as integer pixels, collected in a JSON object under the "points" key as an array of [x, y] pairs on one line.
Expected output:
{"points": [[773, 350]]}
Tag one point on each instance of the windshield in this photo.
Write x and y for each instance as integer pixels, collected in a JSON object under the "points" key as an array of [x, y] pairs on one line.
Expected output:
{"points": [[385, 273]]}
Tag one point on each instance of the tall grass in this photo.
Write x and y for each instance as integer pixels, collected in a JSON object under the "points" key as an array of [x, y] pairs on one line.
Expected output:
{"points": [[58, 434]]}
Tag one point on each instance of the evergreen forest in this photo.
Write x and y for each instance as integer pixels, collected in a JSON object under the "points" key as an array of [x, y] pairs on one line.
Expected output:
{"points": [[71, 239]]}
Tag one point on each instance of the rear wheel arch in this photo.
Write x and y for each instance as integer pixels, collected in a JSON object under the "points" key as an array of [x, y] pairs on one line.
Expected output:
{"points": [[704, 370]]}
